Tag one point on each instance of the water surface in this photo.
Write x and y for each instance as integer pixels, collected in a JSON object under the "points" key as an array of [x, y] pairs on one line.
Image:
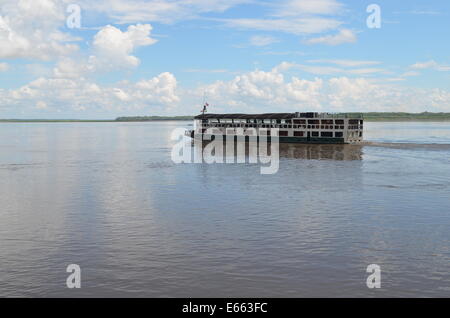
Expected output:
{"points": [[108, 197]]}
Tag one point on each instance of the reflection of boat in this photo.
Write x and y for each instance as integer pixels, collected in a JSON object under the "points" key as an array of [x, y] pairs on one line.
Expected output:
{"points": [[316, 128], [249, 151], [321, 152]]}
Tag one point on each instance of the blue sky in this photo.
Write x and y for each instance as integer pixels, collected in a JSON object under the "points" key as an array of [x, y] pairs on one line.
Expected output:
{"points": [[161, 57]]}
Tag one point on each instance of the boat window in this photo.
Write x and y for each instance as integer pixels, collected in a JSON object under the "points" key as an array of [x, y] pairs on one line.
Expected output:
{"points": [[326, 134], [298, 133], [339, 134]]}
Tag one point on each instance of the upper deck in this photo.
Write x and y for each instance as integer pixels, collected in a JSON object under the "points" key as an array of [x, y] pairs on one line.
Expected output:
{"points": [[280, 116], [307, 127]]}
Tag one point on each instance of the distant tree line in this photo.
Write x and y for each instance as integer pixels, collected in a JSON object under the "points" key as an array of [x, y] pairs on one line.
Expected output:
{"points": [[154, 118], [370, 116], [399, 116]]}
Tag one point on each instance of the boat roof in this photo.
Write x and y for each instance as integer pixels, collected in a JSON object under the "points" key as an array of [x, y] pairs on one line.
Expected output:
{"points": [[276, 116], [247, 116]]}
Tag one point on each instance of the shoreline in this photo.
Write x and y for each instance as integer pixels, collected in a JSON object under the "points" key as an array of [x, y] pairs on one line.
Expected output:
{"points": [[368, 117], [399, 120]]}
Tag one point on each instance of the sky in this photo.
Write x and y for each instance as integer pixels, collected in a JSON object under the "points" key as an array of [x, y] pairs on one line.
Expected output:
{"points": [[103, 59]]}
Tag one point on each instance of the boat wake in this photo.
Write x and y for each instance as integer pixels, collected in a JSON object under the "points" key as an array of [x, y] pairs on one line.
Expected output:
{"points": [[406, 145]]}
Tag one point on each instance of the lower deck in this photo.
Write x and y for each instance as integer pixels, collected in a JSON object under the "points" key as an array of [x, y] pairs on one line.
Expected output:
{"points": [[281, 139]]}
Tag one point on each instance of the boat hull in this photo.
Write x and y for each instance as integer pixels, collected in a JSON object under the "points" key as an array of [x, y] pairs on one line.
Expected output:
{"points": [[295, 140]]}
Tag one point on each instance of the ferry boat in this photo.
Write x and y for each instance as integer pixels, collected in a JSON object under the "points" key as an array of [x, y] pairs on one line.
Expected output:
{"points": [[310, 127]]}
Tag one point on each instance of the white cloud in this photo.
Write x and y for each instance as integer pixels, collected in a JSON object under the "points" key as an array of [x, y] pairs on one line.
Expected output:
{"points": [[65, 94], [431, 64], [161, 89], [256, 91], [297, 17], [262, 40], [328, 70], [424, 65], [30, 29], [294, 16], [344, 36], [165, 11], [70, 68], [112, 47], [292, 25], [260, 91], [410, 74]]}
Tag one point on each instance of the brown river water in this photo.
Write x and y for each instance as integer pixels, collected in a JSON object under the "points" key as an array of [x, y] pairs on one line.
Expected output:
{"points": [[108, 197]]}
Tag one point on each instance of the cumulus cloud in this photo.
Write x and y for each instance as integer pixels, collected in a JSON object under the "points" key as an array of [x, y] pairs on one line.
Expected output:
{"points": [[255, 91], [270, 91], [344, 36], [112, 47], [65, 94], [70, 68], [30, 29]]}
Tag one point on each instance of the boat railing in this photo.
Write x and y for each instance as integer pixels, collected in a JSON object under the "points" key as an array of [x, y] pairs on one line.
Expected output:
{"points": [[340, 115]]}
